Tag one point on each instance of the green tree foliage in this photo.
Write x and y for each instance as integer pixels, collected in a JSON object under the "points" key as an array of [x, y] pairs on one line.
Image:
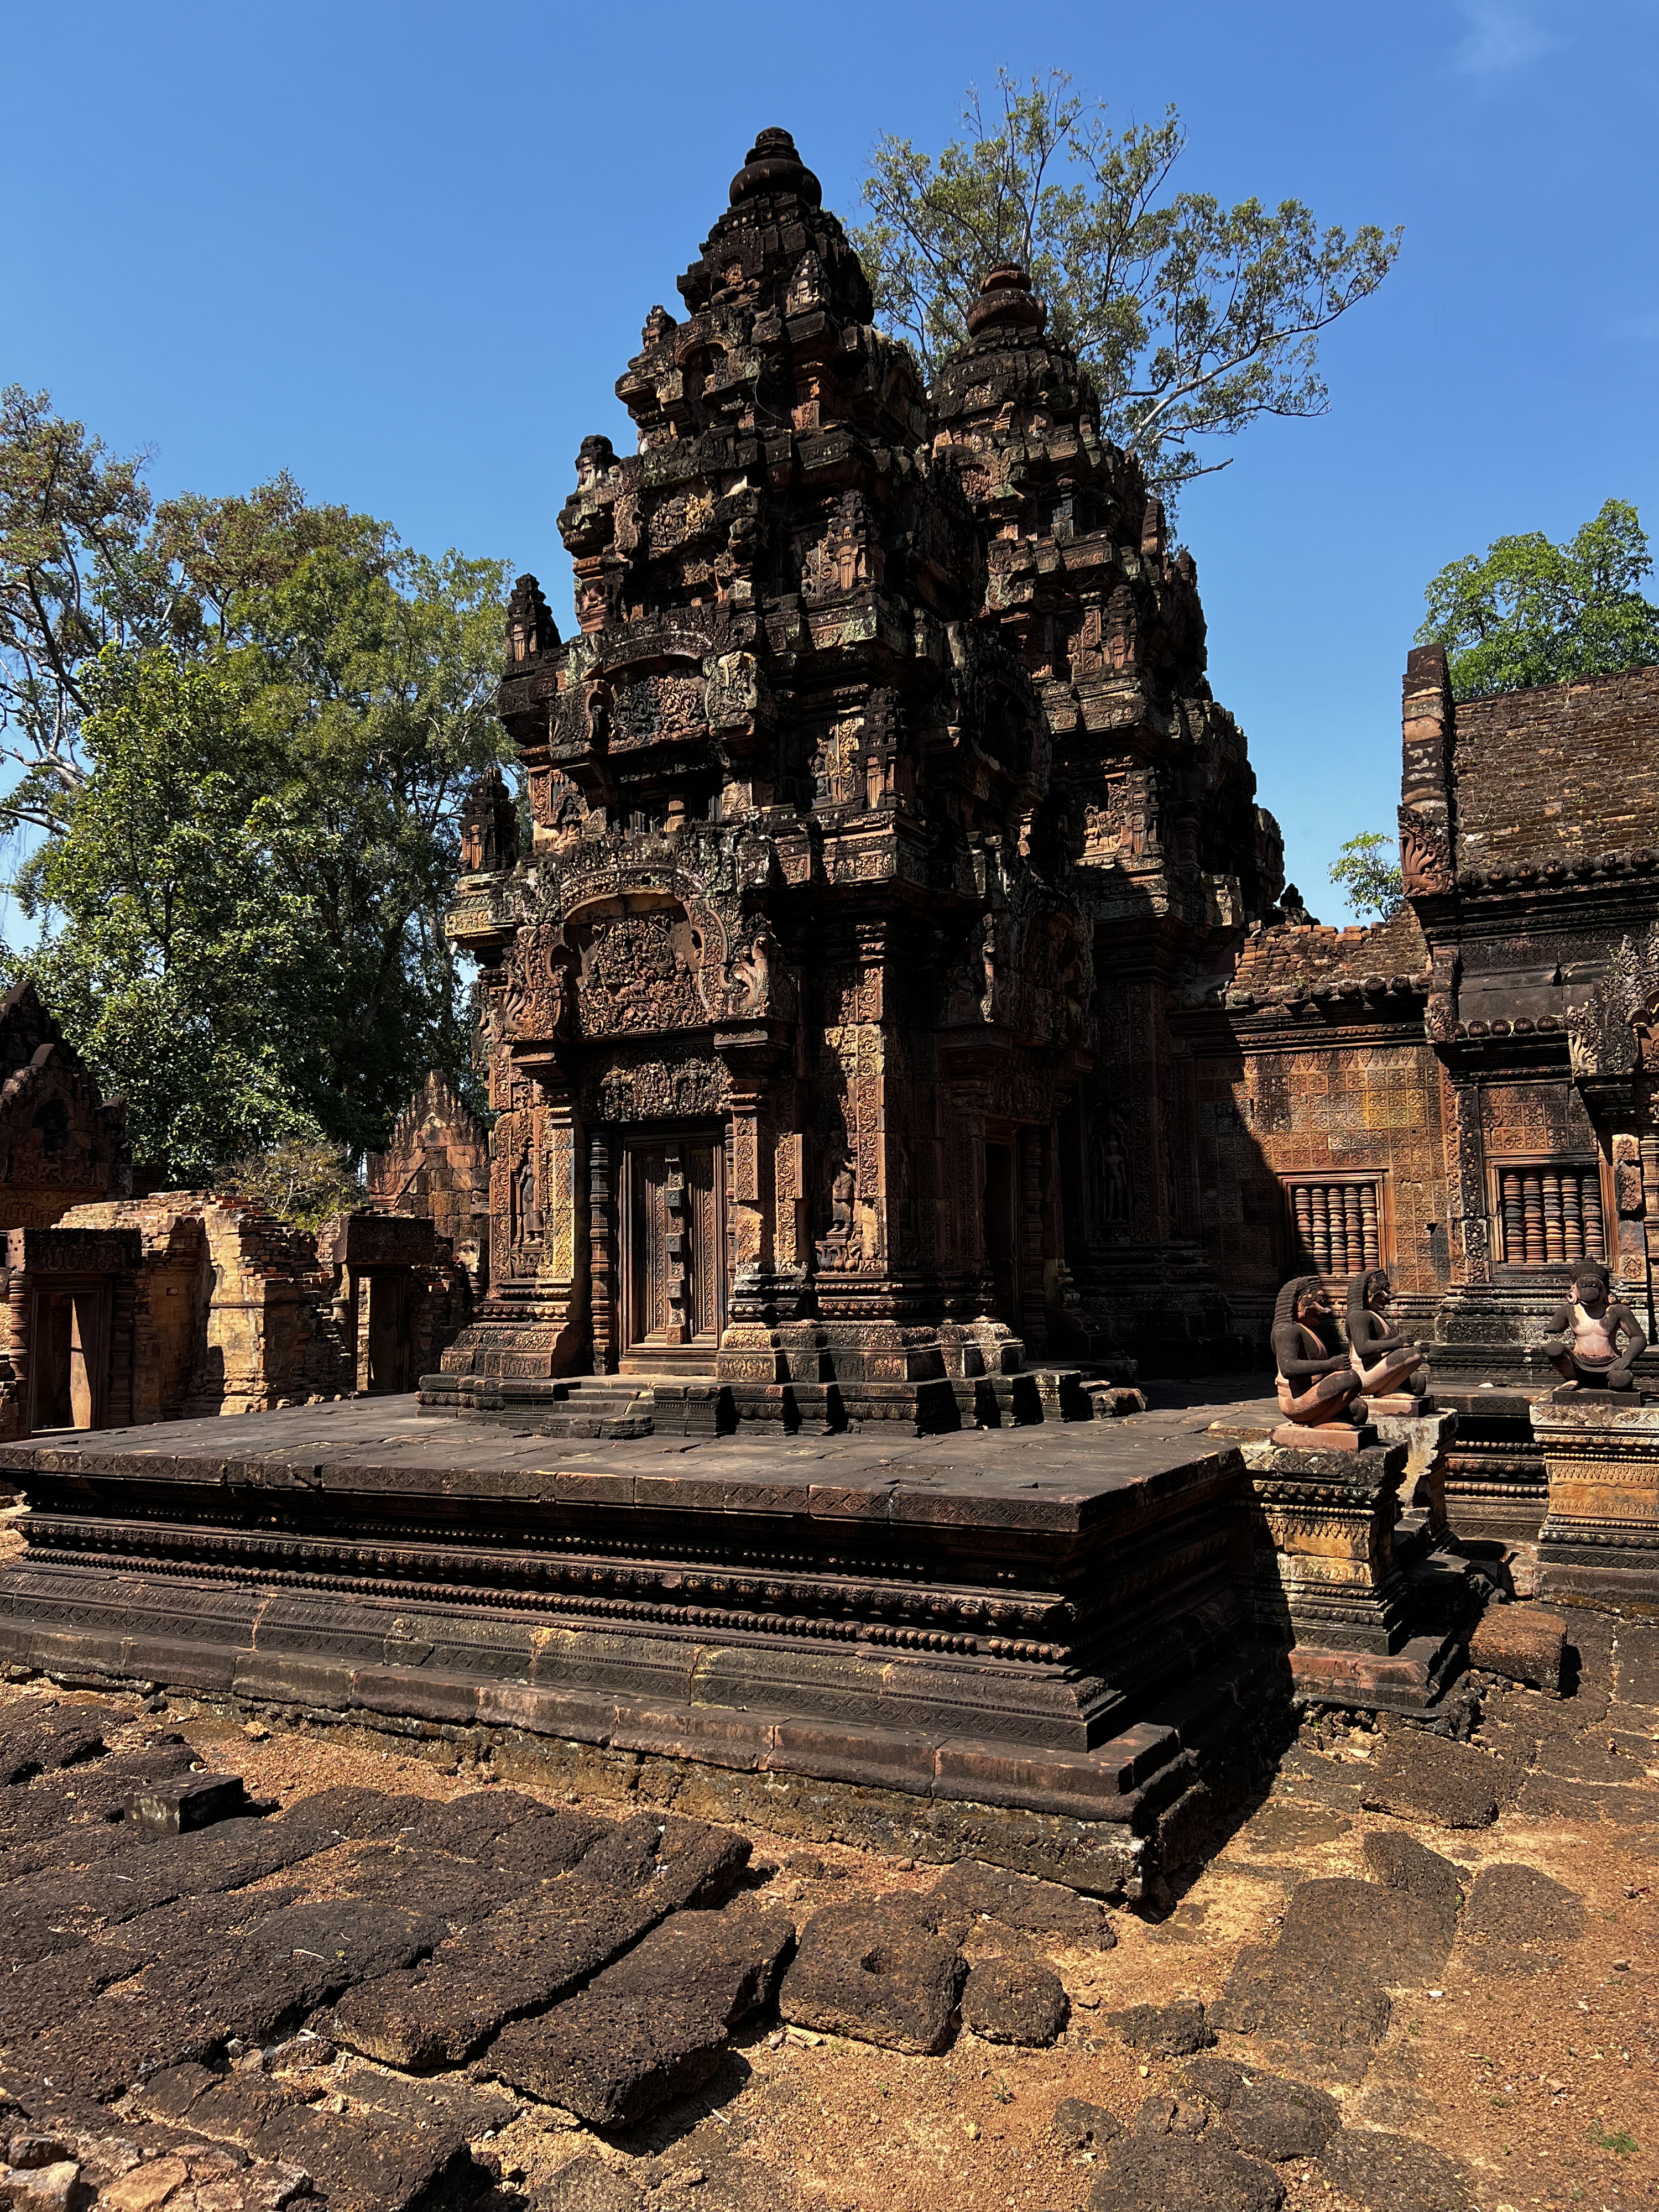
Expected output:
{"points": [[1371, 880], [74, 577], [1194, 317], [1532, 612], [302, 1179], [249, 803]]}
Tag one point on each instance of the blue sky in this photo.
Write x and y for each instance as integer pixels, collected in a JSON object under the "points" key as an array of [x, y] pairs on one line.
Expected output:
{"points": [[405, 249]]}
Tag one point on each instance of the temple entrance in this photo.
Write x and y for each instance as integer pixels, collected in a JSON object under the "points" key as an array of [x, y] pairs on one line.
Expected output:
{"points": [[69, 1358], [389, 1346], [1001, 1242], [673, 1285]]}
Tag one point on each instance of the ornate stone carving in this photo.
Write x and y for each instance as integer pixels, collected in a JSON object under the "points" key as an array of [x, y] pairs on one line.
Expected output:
{"points": [[638, 973], [657, 1091], [535, 1005]]}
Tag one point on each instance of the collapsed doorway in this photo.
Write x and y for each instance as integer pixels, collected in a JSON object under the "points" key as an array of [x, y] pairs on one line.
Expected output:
{"points": [[390, 1362], [69, 1358]]}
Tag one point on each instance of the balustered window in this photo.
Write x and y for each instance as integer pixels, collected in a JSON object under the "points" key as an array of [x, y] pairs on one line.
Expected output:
{"points": [[1338, 1224], [1547, 1213]]}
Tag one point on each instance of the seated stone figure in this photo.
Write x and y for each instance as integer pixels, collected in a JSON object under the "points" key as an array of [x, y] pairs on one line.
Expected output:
{"points": [[1594, 1339], [1317, 1384], [1382, 1359]]}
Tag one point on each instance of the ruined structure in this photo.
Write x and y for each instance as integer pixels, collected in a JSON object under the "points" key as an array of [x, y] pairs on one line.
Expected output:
{"points": [[118, 1311], [66, 1321], [437, 1166], [881, 812]]}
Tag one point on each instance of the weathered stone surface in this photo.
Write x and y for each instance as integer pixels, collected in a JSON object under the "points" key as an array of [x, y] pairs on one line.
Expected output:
{"points": [[1522, 1643], [1178, 2116], [186, 2004], [1014, 2001], [1391, 1934], [46, 1742], [971, 1891], [1177, 2174], [588, 2185], [870, 1972], [1401, 1863], [1266, 2115], [1510, 1907], [363, 2163], [1079, 2126], [1171, 2031], [728, 1960], [1391, 2173], [612, 2058], [1332, 2020], [1418, 1776], [626, 1876], [518, 1961]]}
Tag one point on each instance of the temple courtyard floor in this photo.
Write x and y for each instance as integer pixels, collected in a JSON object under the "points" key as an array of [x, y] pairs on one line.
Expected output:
{"points": [[1416, 1974]]}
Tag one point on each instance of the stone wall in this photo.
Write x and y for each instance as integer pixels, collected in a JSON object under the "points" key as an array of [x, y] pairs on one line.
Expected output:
{"points": [[1319, 1130], [1564, 772], [233, 1312], [437, 1165]]}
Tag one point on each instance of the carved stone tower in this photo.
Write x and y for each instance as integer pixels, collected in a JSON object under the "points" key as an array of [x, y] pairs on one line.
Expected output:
{"points": [[881, 715]]}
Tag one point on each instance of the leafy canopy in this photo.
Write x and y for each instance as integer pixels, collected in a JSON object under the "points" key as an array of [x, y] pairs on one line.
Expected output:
{"points": [[1194, 317], [247, 804], [1371, 880], [1533, 613]]}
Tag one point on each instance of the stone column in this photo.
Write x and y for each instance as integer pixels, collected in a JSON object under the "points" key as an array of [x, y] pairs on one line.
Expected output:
{"points": [[561, 1276], [21, 1295], [753, 1164], [123, 1301], [1033, 1305], [1471, 1240], [601, 1250]]}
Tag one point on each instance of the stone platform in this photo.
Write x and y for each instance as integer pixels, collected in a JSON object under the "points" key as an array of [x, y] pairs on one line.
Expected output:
{"points": [[1599, 1545], [1051, 1625]]}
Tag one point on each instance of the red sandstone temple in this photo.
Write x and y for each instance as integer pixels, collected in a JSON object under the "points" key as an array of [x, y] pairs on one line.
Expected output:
{"points": [[895, 997]]}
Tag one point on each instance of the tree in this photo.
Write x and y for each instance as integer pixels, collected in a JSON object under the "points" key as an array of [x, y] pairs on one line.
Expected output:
{"points": [[302, 1179], [248, 848], [74, 578], [1194, 317], [1371, 882], [1533, 613]]}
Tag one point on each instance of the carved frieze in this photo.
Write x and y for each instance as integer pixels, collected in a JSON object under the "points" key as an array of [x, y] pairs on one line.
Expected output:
{"points": [[639, 973]]}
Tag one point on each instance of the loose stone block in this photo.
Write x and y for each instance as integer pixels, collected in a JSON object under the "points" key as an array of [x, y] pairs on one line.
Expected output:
{"points": [[1522, 1643], [1418, 1777], [869, 1972], [1014, 2001], [195, 1801]]}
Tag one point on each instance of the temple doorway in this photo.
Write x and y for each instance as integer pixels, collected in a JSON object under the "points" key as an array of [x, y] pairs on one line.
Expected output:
{"points": [[389, 1348], [673, 1250], [69, 1358]]}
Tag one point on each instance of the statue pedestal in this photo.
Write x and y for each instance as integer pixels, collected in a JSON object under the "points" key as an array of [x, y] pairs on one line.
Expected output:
{"points": [[1329, 1437], [1328, 1582], [1427, 1437], [1599, 1542]]}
